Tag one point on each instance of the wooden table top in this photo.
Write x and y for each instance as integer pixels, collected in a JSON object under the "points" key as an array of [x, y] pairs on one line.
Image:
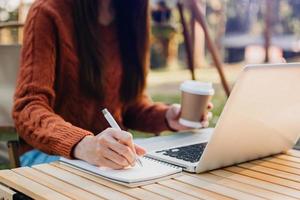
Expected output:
{"points": [[276, 177]]}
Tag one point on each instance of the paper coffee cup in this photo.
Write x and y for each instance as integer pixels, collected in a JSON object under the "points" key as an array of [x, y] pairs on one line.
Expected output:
{"points": [[194, 100]]}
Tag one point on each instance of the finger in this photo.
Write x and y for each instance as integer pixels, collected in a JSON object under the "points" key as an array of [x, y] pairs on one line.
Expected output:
{"points": [[128, 140], [205, 124], [122, 149], [206, 117], [108, 163], [115, 157], [125, 138], [176, 110], [209, 115], [210, 106], [139, 150]]}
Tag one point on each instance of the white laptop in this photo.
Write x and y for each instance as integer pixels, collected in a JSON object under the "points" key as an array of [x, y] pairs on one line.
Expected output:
{"points": [[260, 118]]}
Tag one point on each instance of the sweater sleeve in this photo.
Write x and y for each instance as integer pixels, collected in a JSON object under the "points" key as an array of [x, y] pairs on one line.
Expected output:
{"points": [[33, 113], [145, 115]]}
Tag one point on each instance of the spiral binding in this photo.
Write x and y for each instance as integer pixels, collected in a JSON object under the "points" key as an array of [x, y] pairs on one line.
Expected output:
{"points": [[162, 162]]}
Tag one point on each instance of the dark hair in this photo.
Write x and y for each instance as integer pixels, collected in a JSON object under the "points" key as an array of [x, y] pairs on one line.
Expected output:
{"points": [[132, 25]]}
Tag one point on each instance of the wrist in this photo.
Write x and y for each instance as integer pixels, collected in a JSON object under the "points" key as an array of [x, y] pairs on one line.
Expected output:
{"points": [[81, 147]]}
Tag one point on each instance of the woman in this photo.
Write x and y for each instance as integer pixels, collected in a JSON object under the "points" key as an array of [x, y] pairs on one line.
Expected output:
{"points": [[80, 56]]}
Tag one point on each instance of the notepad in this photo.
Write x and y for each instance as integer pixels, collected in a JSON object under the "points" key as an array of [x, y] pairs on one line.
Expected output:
{"points": [[151, 172]]}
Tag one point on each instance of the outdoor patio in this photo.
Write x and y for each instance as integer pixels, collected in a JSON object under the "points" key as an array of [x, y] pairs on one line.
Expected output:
{"points": [[205, 41]]}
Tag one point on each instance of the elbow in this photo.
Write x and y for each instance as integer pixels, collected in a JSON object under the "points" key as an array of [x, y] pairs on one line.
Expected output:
{"points": [[15, 112], [17, 109]]}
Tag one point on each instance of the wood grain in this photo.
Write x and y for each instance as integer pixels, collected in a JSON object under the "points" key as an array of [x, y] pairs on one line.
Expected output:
{"points": [[83, 183], [251, 189], [216, 188], [276, 166], [56, 184], [273, 178], [138, 193], [29, 187], [294, 153], [283, 162], [272, 172], [192, 190], [286, 192], [264, 177], [168, 192], [288, 158]]}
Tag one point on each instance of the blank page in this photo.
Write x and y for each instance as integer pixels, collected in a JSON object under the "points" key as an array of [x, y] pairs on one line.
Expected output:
{"points": [[150, 170]]}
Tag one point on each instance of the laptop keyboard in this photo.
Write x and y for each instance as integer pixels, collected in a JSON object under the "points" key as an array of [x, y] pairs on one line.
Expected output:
{"points": [[191, 153]]}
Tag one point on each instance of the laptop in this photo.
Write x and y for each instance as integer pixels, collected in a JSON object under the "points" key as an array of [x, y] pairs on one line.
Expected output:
{"points": [[260, 118]]}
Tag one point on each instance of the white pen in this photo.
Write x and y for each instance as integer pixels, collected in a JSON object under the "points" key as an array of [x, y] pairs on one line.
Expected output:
{"points": [[112, 122]]}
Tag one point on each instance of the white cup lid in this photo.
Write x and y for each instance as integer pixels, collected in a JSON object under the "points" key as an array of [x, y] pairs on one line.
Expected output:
{"points": [[196, 87]]}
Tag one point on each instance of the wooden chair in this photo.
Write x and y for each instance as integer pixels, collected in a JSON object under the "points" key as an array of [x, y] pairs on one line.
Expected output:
{"points": [[9, 64], [199, 17]]}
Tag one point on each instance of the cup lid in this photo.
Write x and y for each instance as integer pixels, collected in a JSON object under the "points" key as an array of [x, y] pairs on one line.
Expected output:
{"points": [[196, 87]]}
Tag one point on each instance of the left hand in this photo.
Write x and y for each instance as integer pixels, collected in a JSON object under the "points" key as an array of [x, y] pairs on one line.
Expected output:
{"points": [[173, 115]]}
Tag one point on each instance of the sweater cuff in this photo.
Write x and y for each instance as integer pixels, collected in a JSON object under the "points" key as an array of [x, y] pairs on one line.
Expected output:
{"points": [[70, 137]]}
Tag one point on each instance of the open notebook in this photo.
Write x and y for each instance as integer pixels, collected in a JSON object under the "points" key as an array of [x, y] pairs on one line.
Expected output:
{"points": [[151, 172]]}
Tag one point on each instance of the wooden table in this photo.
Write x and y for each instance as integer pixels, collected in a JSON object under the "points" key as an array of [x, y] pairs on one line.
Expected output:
{"points": [[276, 177]]}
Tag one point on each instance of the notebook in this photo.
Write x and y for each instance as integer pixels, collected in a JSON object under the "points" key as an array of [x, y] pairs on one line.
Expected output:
{"points": [[151, 171]]}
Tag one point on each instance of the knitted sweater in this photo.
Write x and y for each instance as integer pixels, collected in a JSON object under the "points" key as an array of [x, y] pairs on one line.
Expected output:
{"points": [[51, 111]]}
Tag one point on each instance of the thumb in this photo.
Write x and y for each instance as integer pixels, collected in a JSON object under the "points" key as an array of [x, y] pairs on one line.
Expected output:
{"points": [[139, 150], [175, 110]]}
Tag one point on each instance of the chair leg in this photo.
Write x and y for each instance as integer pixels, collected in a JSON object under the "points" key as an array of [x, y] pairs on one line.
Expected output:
{"points": [[187, 42], [13, 154]]}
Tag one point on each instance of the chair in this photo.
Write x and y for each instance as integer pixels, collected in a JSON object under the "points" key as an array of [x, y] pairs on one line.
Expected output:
{"points": [[9, 64]]}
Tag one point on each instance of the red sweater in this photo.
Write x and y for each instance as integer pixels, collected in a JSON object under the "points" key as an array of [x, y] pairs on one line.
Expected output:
{"points": [[51, 112]]}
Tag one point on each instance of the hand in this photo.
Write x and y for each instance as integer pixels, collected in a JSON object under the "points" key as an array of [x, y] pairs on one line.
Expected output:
{"points": [[173, 115], [111, 148]]}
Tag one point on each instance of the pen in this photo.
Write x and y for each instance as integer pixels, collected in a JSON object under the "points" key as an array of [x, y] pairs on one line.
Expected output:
{"points": [[112, 122]]}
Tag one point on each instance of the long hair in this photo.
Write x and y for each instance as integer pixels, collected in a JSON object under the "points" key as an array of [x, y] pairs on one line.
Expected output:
{"points": [[132, 25]]}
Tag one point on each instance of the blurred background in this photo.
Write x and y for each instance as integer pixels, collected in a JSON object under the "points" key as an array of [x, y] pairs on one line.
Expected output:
{"points": [[238, 32], [236, 27]]}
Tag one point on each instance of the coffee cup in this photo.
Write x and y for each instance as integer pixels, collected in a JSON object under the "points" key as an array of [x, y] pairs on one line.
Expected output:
{"points": [[195, 97]]}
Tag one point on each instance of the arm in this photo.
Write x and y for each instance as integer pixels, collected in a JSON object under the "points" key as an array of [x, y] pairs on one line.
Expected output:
{"points": [[144, 115], [33, 112]]}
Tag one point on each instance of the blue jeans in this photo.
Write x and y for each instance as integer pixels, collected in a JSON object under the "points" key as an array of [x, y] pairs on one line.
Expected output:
{"points": [[35, 157]]}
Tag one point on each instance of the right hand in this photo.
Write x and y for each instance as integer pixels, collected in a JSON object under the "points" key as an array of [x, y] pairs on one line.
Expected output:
{"points": [[111, 148]]}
